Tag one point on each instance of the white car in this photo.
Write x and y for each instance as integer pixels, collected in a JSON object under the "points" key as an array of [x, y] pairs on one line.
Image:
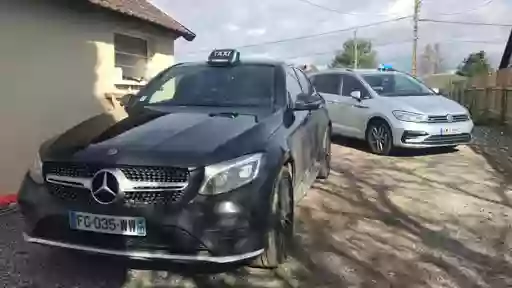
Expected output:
{"points": [[391, 109]]}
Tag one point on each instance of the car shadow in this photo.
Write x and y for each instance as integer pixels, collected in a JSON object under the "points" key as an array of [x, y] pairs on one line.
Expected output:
{"points": [[363, 147]]}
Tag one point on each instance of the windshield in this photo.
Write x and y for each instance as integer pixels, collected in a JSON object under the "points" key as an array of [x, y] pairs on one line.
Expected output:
{"points": [[396, 84], [203, 85]]}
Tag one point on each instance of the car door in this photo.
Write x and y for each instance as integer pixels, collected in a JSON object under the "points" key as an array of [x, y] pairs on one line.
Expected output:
{"points": [[316, 125], [298, 137], [355, 112], [329, 86]]}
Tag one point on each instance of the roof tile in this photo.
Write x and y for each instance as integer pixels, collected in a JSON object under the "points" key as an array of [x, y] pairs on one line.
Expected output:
{"points": [[146, 11]]}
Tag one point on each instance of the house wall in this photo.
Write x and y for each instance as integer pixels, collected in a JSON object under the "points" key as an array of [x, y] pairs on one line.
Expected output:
{"points": [[56, 66]]}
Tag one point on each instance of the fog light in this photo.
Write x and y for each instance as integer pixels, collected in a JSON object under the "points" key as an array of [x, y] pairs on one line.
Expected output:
{"points": [[410, 135], [227, 207]]}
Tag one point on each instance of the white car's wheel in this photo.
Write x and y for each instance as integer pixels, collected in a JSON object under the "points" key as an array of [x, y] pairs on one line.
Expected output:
{"points": [[379, 137]]}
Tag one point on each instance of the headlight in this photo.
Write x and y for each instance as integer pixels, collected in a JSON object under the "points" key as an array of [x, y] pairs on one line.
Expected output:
{"points": [[229, 175], [409, 116], [36, 170]]}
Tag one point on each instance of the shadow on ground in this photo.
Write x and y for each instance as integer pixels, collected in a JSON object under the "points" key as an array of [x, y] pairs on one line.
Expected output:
{"points": [[378, 227], [435, 220]]}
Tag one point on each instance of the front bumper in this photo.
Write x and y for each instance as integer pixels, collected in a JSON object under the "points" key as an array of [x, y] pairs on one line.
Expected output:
{"points": [[193, 231], [425, 135]]}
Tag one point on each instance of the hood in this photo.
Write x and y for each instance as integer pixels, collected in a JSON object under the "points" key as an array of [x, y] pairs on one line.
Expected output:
{"points": [[179, 138], [429, 105]]}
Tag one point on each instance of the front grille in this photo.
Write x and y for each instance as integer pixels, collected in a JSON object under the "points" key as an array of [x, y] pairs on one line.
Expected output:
{"points": [[70, 169], [448, 139], [444, 118], [146, 194], [154, 198], [69, 193], [156, 174], [133, 173]]}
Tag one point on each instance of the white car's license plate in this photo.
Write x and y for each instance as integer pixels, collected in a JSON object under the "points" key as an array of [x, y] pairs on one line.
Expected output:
{"points": [[132, 226], [450, 131]]}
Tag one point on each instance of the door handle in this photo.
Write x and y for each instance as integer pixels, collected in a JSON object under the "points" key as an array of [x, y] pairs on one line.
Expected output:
{"points": [[333, 101], [360, 106]]}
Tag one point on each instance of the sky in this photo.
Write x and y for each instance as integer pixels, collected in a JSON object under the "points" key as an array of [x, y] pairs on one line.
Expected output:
{"points": [[235, 23]]}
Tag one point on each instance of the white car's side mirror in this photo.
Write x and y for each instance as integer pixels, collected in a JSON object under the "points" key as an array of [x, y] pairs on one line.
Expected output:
{"points": [[436, 90], [356, 95]]}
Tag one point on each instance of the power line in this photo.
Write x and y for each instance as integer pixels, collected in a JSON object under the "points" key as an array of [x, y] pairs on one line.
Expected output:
{"points": [[483, 5], [465, 23], [336, 50], [338, 11], [396, 43], [311, 35]]}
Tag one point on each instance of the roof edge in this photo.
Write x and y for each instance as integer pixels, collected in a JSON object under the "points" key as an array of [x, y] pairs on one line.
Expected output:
{"points": [[148, 13]]}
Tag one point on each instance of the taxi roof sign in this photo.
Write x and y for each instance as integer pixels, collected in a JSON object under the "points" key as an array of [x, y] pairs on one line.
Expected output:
{"points": [[224, 57]]}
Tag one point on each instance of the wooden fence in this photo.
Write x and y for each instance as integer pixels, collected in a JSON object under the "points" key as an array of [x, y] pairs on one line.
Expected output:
{"points": [[487, 97]]}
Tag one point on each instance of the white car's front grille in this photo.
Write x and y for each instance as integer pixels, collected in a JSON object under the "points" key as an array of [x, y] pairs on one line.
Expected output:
{"points": [[447, 118]]}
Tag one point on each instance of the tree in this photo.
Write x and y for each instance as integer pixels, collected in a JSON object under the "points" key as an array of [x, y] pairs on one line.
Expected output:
{"points": [[367, 57], [431, 61], [475, 64]]}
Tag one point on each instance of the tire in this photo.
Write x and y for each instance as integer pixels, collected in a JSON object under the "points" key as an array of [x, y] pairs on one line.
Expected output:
{"points": [[379, 138], [279, 236], [325, 168]]}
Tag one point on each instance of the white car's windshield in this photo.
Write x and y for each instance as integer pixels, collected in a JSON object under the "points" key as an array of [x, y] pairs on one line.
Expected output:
{"points": [[396, 84]]}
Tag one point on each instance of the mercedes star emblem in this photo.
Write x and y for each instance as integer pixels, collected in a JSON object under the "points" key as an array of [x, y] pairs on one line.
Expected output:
{"points": [[112, 151], [105, 187], [449, 118]]}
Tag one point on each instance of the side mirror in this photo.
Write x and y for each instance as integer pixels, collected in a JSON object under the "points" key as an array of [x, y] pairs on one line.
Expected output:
{"points": [[356, 95], [307, 102], [126, 100], [436, 90]]}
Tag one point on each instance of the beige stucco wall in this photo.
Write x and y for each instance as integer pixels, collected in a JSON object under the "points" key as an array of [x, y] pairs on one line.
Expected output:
{"points": [[56, 65]]}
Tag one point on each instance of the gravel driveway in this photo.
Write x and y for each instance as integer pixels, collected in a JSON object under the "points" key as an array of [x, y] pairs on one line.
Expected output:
{"points": [[420, 219]]}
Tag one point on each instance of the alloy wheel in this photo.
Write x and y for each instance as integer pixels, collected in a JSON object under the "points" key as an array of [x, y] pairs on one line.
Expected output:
{"points": [[283, 218], [379, 138]]}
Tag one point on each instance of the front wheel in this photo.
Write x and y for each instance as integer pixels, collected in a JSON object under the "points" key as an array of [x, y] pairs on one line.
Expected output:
{"points": [[279, 236], [379, 138], [325, 162]]}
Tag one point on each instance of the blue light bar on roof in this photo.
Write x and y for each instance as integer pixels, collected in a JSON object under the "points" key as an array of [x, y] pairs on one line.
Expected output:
{"points": [[385, 67]]}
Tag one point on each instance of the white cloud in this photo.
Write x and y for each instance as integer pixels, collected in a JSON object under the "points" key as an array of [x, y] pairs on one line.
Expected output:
{"points": [[256, 32], [234, 23], [232, 27]]}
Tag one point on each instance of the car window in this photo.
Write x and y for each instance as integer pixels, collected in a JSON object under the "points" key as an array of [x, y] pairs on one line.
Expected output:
{"points": [[396, 84], [292, 84], [304, 82], [204, 85], [351, 84], [327, 83]]}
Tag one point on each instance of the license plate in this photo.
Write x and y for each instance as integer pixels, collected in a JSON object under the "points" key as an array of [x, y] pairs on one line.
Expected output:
{"points": [[131, 226], [450, 131]]}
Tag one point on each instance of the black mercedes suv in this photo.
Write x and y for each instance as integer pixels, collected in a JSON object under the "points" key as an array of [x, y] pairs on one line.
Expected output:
{"points": [[206, 167]]}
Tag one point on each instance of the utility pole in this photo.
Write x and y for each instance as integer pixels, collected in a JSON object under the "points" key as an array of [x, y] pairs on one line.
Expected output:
{"points": [[417, 4], [356, 52]]}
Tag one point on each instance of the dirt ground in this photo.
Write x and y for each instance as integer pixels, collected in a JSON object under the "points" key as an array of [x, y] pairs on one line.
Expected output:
{"points": [[429, 219], [420, 219]]}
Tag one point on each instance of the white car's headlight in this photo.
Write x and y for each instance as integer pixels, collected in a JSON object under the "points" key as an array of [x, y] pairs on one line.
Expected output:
{"points": [[36, 170], [410, 116], [226, 176]]}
